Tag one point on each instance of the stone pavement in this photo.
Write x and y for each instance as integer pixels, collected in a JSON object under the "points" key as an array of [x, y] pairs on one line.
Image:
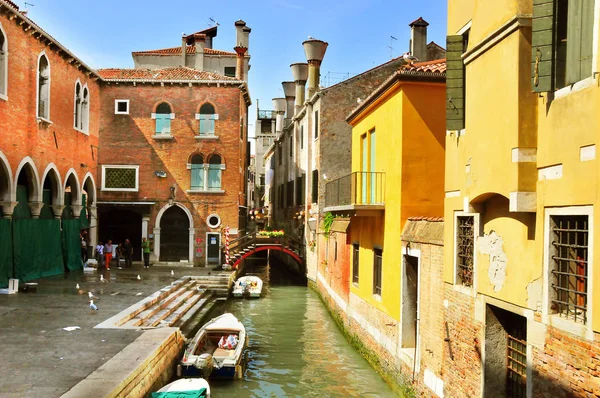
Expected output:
{"points": [[38, 358]]}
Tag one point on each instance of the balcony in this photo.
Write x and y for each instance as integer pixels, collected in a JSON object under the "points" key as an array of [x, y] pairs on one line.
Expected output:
{"points": [[362, 193], [266, 115]]}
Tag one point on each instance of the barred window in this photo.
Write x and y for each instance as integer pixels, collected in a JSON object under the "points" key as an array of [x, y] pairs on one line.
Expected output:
{"points": [[465, 248], [569, 266], [120, 178], [355, 258], [377, 271]]}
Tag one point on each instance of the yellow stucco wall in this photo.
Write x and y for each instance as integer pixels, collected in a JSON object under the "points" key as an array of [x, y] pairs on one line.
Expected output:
{"points": [[410, 127]]}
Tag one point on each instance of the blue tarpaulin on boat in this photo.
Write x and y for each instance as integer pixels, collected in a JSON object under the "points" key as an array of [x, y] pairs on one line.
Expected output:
{"points": [[181, 394]]}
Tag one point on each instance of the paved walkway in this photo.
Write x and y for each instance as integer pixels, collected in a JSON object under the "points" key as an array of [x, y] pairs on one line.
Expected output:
{"points": [[38, 358]]}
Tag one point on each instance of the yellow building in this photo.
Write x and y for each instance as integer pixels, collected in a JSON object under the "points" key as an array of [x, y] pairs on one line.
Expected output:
{"points": [[523, 98], [398, 138]]}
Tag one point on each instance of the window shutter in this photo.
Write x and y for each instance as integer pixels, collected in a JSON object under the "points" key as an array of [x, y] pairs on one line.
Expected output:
{"points": [[579, 40], [542, 46], [455, 114]]}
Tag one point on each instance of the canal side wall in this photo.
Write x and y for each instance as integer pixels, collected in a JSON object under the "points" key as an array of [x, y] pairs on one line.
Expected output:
{"points": [[144, 366]]}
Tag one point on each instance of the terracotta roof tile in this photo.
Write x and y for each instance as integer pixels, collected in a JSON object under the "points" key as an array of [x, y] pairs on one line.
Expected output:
{"points": [[430, 219], [419, 22], [168, 74], [177, 51], [16, 7], [435, 66]]}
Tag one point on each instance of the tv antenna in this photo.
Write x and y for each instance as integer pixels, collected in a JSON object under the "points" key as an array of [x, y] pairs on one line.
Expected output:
{"points": [[214, 23], [391, 46], [27, 6]]}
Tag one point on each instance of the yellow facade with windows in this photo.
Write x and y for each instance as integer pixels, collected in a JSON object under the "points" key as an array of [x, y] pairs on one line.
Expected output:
{"points": [[406, 117], [522, 163]]}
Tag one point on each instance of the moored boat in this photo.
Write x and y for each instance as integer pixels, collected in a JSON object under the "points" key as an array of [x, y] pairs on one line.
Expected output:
{"points": [[192, 388], [250, 286], [217, 350]]}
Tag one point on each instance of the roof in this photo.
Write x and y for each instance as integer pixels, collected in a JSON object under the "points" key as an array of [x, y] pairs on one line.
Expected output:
{"points": [[419, 22], [363, 73], [177, 51], [421, 71], [432, 43], [430, 219], [178, 73]]}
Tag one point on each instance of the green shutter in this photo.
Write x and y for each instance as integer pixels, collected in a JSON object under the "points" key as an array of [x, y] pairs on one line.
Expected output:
{"points": [[455, 101], [542, 46], [579, 40]]}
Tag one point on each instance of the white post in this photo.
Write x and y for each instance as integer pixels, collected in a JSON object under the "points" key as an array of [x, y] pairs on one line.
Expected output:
{"points": [[145, 220], [191, 243], [156, 244]]}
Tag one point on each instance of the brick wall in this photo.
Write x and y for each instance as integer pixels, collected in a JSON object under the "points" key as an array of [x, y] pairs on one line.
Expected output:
{"points": [[20, 134], [127, 139]]}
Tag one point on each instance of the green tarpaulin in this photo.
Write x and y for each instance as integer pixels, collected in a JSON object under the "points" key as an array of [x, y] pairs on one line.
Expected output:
{"points": [[83, 221], [181, 394], [6, 266], [37, 248], [71, 244]]}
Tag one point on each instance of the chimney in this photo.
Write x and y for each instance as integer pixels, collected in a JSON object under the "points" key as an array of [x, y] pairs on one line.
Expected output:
{"points": [[300, 73], [289, 89], [279, 105], [183, 47], [199, 44], [246, 36], [418, 39], [240, 64], [315, 51], [241, 36]]}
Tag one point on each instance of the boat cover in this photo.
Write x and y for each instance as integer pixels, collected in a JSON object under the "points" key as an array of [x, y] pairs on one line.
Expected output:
{"points": [[201, 393]]}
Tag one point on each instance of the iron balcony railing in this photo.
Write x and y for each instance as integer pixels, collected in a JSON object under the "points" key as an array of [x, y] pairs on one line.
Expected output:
{"points": [[358, 188], [266, 115]]}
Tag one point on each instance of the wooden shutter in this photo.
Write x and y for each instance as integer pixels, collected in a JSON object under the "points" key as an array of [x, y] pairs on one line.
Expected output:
{"points": [[542, 46], [455, 101], [579, 40]]}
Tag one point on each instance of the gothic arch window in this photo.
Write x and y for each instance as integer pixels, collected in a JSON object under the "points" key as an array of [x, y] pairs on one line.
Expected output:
{"points": [[78, 99], [43, 88], [207, 117], [197, 175], [3, 64], [163, 118], [215, 167], [85, 110]]}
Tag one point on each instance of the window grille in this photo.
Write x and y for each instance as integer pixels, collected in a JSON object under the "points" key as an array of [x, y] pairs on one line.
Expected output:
{"points": [[377, 271], [355, 250], [569, 263], [465, 238], [516, 377], [120, 178]]}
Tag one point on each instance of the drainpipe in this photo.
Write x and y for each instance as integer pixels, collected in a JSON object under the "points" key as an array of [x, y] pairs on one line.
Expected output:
{"points": [[300, 73], [315, 51]]}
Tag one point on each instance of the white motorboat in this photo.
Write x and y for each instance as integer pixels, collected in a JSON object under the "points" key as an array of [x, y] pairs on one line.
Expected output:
{"points": [[217, 350], [194, 388], [250, 286]]}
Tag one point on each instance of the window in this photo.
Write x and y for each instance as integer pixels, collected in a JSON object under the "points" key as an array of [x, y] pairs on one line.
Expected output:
{"points": [[315, 187], [562, 43], [121, 107], [289, 193], [85, 110], [465, 250], [377, 271], [213, 221], [207, 119], [302, 137], [163, 119], [355, 251], [197, 174], [229, 71], [43, 94], [214, 173], [457, 45], [569, 266], [78, 99], [300, 181], [3, 64], [316, 121], [120, 178]]}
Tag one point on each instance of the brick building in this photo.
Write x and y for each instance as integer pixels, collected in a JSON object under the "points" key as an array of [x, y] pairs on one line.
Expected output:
{"points": [[49, 116], [173, 157]]}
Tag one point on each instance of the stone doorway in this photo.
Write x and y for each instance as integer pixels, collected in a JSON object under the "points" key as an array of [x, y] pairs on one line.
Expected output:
{"points": [[174, 235]]}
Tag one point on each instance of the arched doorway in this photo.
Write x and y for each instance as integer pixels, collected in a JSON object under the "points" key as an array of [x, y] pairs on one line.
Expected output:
{"points": [[174, 235], [118, 224]]}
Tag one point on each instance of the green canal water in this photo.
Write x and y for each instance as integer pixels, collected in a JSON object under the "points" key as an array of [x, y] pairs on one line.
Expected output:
{"points": [[296, 350]]}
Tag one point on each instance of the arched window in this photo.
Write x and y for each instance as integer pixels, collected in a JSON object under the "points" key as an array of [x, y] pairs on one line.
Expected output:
{"points": [[78, 105], [198, 179], [85, 110], [163, 119], [207, 118], [214, 173], [43, 80], [3, 63]]}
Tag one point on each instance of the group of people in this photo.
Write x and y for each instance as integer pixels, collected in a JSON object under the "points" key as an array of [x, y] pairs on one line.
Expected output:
{"points": [[105, 253]]}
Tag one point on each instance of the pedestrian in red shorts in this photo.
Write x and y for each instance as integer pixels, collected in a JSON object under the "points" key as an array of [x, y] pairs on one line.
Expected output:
{"points": [[108, 252]]}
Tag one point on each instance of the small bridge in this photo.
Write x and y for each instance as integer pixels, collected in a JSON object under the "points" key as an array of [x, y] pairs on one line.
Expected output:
{"points": [[247, 245]]}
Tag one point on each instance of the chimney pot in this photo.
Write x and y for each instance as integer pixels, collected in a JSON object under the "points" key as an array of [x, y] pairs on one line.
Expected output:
{"points": [[300, 73], [418, 39], [315, 51], [289, 90]]}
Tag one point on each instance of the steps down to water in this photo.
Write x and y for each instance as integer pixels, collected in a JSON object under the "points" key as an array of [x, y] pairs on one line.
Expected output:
{"points": [[173, 305]]}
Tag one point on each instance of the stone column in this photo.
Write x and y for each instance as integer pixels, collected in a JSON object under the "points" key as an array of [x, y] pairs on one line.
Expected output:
{"points": [[93, 235], [35, 208], [191, 242], [145, 220], [57, 210], [156, 245], [76, 210], [8, 208]]}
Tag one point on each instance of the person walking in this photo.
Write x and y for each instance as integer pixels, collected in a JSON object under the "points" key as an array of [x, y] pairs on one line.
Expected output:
{"points": [[108, 253], [146, 250], [127, 252], [119, 254], [100, 254], [84, 256]]}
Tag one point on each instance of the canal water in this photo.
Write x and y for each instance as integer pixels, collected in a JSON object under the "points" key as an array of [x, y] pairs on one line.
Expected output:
{"points": [[296, 350]]}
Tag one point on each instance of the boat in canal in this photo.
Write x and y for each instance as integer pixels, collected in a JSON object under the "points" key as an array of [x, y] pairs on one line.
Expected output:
{"points": [[249, 286], [217, 350], [190, 388]]}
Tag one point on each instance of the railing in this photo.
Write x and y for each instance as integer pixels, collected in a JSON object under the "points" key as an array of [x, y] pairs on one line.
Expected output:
{"points": [[237, 246], [358, 188], [266, 114]]}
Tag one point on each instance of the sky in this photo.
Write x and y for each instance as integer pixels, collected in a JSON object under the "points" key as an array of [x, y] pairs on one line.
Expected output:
{"points": [[104, 33]]}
